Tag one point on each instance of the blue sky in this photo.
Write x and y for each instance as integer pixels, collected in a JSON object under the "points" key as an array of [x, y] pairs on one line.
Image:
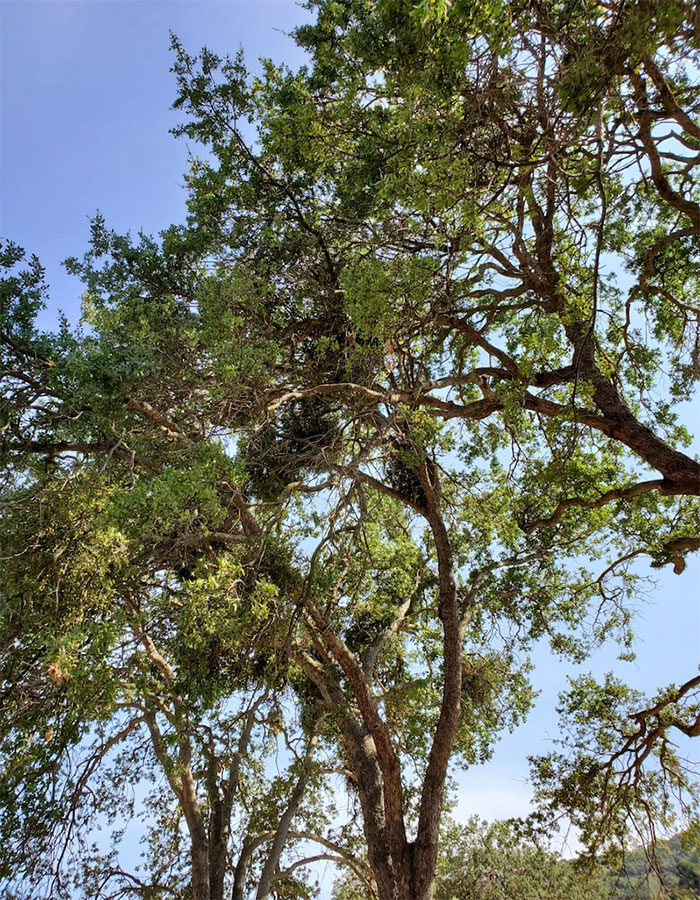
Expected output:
{"points": [[85, 112], [85, 116], [667, 651]]}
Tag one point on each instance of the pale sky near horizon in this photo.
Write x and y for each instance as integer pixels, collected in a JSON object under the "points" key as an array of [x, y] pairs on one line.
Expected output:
{"points": [[84, 124]]}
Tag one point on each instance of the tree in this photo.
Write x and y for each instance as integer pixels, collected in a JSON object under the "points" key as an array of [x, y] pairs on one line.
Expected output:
{"points": [[387, 374], [126, 671], [490, 862], [676, 875], [481, 861]]}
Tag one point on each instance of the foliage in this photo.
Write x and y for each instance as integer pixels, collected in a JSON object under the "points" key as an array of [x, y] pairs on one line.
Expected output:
{"points": [[621, 764], [482, 861], [382, 413], [676, 873]]}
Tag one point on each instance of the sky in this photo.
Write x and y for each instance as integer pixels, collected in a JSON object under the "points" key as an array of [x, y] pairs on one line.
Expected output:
{"points": [[84, 126], [85, 113]]}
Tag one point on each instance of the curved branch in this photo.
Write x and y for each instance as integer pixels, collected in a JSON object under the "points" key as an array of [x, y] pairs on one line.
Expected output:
{"points": [[633, 490]]}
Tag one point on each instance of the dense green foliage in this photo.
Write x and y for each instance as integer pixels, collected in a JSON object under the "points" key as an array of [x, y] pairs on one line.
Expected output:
{"points": [[675, 874], [490, 863], [481, 861], [397, 401]]}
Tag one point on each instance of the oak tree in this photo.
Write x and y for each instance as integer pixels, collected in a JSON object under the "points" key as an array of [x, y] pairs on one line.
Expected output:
{"points": [[386, 410]]}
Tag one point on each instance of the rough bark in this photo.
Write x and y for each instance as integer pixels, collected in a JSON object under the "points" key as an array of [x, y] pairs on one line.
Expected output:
{"points": [[424, 850], [403, 869]]}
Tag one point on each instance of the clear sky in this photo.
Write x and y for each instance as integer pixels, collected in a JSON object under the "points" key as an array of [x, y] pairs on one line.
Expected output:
{"points": [[85, 116], [85, 112]]}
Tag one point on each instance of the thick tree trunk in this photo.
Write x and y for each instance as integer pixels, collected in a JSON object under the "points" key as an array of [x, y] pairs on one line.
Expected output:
{"points": [[410, 874], [217, 854], [410, 877], [200, 871]]}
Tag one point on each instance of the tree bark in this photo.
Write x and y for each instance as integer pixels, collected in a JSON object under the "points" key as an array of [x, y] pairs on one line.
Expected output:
{"points": [[424, 850], [405, 870], [200, 870]]}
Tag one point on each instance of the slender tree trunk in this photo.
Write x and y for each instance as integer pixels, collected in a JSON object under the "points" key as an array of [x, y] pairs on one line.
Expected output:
{"points": [[424, 851], [221, 798], [285, 823], [403, 870], [239, 875]]}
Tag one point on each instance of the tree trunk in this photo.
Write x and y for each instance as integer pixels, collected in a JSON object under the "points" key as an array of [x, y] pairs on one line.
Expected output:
{"points": [[403, 870], [406, 878], [285, 823], [200, 871], [409, 873], [217, 854]]}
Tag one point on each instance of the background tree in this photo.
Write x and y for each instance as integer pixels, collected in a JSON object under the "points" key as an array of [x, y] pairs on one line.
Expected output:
{"points": [[675, 877], [483, 861], [490, 862]]}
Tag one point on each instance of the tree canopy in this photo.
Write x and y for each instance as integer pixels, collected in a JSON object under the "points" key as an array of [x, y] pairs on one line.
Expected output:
{"points": [[320, 466]]}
